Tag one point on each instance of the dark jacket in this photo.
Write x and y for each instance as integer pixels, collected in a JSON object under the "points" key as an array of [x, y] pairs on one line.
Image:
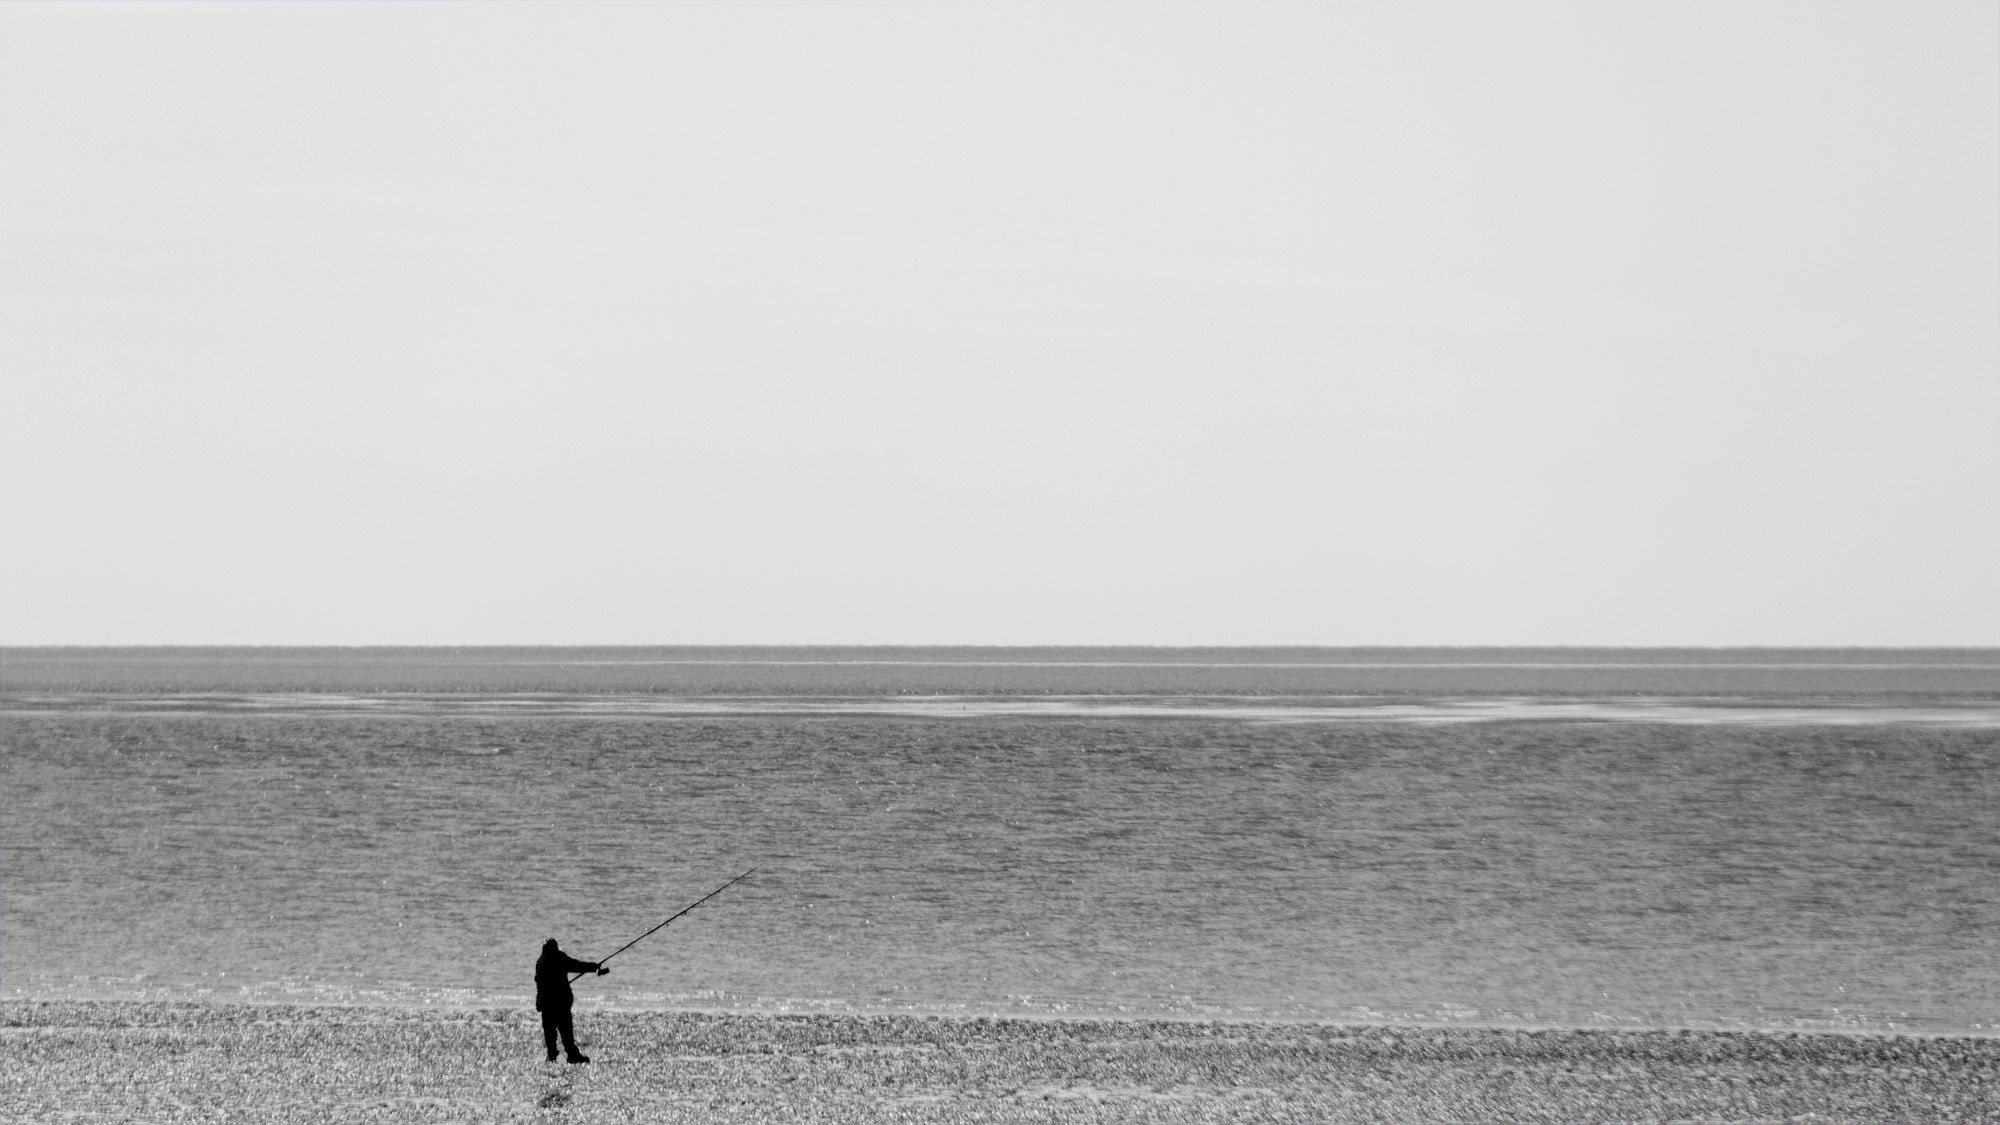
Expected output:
{"points": [[552, 970]]}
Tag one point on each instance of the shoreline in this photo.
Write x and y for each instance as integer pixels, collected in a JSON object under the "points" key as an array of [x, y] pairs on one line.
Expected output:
{"points": [[768, 1008], [63, 1059]]}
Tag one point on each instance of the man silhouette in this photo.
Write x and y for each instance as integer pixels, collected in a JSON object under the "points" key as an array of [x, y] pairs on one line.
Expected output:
{"points": [[553, 997]]}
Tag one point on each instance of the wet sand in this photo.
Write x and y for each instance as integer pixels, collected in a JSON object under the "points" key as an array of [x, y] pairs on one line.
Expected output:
{"points": [[70, 1060]]}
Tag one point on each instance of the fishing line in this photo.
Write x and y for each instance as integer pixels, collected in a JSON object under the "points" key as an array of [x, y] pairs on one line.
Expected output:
{"points": [[663, 925]]}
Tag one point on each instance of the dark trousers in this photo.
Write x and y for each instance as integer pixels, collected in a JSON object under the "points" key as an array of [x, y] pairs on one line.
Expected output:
{"points": [[555, 1021]]}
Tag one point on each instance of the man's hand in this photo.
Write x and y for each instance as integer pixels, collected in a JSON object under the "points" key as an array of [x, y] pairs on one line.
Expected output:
{"points": [[601, 970]]}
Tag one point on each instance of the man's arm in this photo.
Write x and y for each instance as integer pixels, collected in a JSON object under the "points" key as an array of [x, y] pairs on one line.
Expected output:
{"points": [[576, 966]]}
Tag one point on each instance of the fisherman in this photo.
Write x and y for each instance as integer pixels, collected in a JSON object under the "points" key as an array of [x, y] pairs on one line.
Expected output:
{"points": [[553, 997]]}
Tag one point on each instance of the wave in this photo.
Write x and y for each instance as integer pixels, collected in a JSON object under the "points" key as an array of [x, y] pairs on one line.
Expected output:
{"points": [[1981, 715]]}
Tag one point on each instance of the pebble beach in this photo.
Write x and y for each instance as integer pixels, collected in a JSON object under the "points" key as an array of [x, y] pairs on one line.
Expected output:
{"points": [[132, 1061]]}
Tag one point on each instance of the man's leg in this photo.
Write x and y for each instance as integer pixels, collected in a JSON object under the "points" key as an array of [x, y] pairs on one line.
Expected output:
{"points": [[549, 1025], [569, 1039]]}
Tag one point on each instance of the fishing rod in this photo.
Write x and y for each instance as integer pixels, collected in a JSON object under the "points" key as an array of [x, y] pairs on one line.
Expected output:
{"points": [[663, 925]]}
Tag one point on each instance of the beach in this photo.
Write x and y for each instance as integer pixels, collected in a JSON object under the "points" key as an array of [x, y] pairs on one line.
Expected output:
{"points": [[183, 1061]]}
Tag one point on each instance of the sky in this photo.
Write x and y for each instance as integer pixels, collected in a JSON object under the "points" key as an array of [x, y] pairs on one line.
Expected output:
{"points": [[980, 323]]}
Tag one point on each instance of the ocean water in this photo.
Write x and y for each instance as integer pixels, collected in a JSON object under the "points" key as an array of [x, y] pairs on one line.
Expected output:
{"points": [[1591, 838]]}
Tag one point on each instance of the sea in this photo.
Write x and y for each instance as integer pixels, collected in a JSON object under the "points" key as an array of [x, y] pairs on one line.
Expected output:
{"points": [[1704, 838]]}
